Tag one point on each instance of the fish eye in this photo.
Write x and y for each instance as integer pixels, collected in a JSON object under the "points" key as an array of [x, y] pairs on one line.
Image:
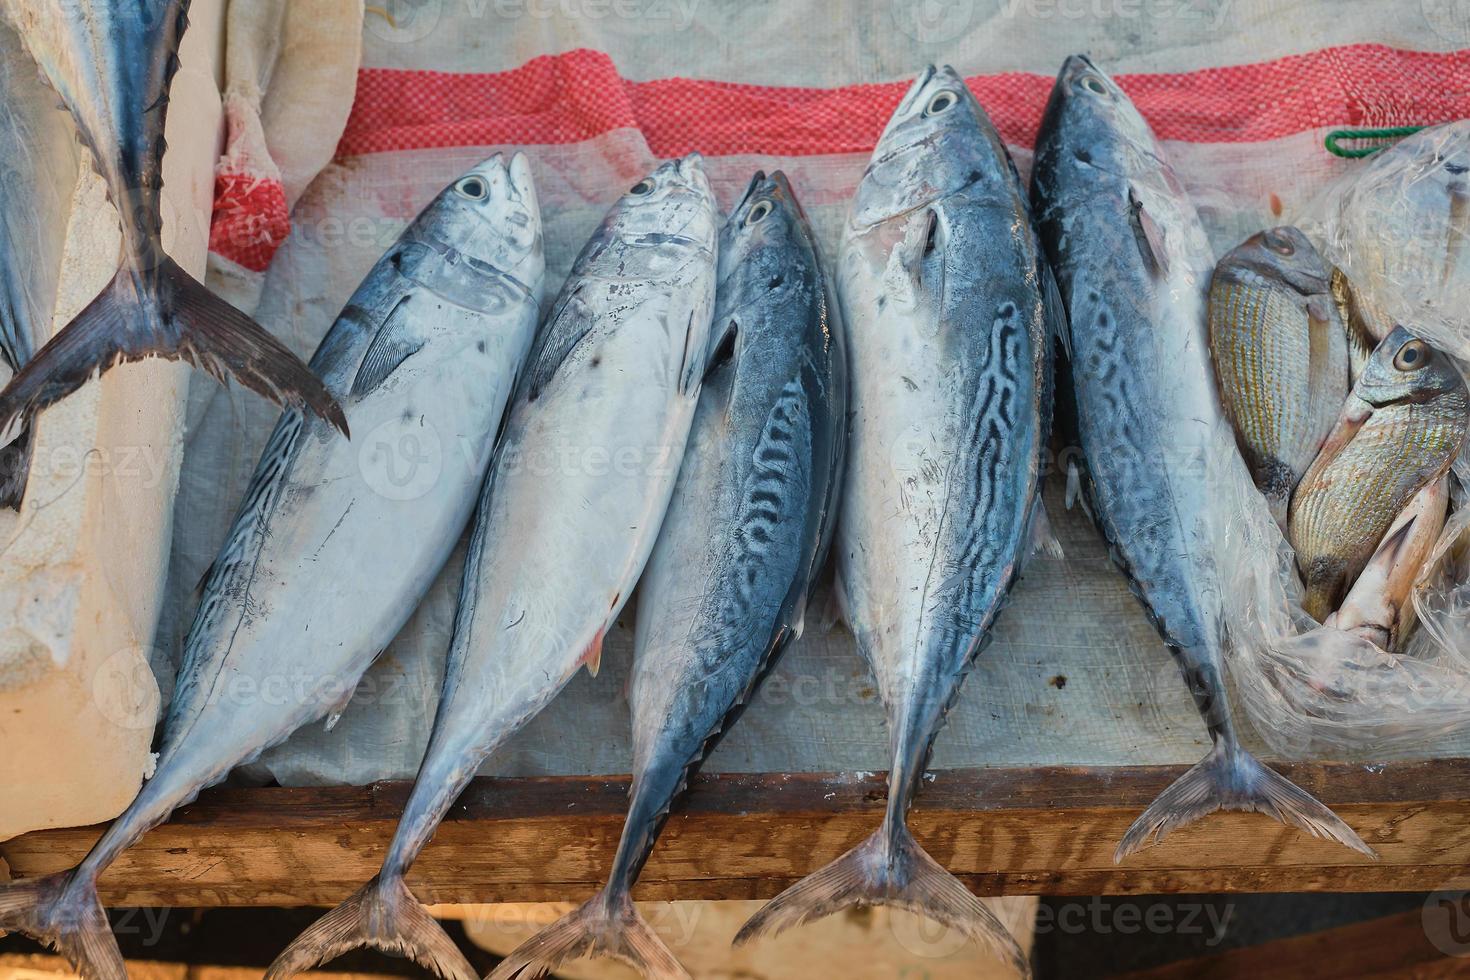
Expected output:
{"points": [[473, 188], [758, 213], [1279, 245], [940, 102], [1412, 356], [1094, 84], [644, 186]]}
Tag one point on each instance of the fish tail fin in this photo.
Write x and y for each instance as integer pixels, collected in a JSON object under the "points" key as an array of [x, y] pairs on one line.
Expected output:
{"points": [[182, 319], [607, 925], [384, 915], [15, 470], [886, 869], [64, 913], [1230, 778]]}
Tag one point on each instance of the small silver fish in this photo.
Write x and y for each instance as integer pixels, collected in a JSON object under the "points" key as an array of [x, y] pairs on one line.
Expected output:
{"points": [[324, 564], [1281, 356], [112, 64], [556, 550]]}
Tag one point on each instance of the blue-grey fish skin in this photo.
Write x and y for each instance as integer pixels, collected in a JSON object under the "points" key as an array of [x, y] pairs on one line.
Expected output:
{"points": [[754, 508], [1133, 266], [38, 171], [942, 289], [751, 518], [112, 64], [325, 562]]}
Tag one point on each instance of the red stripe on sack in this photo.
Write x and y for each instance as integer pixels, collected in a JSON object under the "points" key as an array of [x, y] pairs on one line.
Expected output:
{"points": [[250, 220], [576, 96]]}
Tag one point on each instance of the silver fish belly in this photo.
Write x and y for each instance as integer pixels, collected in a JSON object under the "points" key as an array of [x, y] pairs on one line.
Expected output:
{"points": [[324, 563], [940, 282], [113, 65], [726, 588], [38, 153], [1133, 265], [579, 486]]}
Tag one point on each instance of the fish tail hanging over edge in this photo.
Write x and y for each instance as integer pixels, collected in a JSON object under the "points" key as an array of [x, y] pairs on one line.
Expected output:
{"points": [[1230, 778], [384, 915], [68, 917], [607, 925], [889, 868]]}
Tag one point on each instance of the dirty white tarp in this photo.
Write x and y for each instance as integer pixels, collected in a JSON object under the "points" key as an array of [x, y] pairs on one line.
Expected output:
{"points": [[1076, 675]]}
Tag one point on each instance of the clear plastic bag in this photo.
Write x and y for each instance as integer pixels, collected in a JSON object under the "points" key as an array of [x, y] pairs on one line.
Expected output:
{"points": [[1398, 225]]}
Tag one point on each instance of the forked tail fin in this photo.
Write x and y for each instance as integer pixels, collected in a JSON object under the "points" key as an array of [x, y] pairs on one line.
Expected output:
{"points": [[1230, 778], [67, 917], [15, 470], [382, 915], [887, 869], [183, 320], [608, 925]]}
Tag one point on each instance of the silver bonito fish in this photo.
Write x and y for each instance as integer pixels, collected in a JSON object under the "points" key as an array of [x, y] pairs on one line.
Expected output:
{"points": [[113, 65], [941, 285], [726, 589], [556, 549], [324, 562], [1133, 265]]}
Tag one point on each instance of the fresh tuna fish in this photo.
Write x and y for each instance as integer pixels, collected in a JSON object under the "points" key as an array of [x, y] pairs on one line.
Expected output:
{"points": [[1281, 356], [1133, 265], [39, 151], [1400, 431], [941, 285], [1380, 606], [112, 64], [726, 589], [326, 560], [567, 520]]}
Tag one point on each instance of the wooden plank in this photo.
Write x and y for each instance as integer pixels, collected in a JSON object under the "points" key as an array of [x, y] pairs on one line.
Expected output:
{"points": [[1393, 946], [1012, 831]]}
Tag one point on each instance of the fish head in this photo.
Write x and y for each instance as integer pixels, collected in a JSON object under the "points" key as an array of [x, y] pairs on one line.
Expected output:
{"points": [[937, 142], [673, 205], [1088, 112], [1405, 369], [491, 215], [1282, 254], [762, 232]]}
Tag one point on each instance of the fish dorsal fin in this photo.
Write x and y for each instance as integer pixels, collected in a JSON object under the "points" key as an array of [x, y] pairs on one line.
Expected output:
{"points": [[1148, 234], [567, 326], [394, 343]]}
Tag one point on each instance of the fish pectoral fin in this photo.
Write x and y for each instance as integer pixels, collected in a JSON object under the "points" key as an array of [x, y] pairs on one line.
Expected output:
{"points": [[1148, 234], [1054, 308], [569, 323], [394, 343], [722, 347], [592, 656], [1044, 541]]}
